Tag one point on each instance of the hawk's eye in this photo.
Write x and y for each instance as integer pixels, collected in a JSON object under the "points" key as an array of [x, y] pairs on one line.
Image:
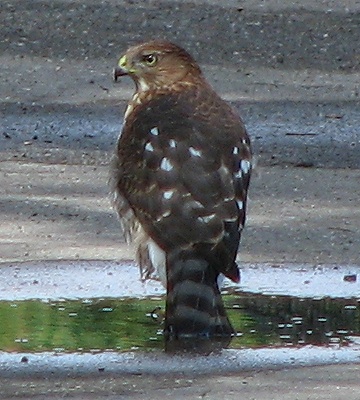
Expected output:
{"points": [[150, 59]]}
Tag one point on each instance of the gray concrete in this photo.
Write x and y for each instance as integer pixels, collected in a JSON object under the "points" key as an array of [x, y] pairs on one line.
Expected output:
{"points": [[292, 69]]}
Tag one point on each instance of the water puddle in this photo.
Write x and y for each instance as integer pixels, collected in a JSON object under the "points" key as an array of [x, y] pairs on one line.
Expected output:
{"points": [[96, 325], [102, 308], [291, 321]]}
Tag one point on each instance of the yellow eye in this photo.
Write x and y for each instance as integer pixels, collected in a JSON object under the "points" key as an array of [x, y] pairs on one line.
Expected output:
{"points": [[150, 59]]}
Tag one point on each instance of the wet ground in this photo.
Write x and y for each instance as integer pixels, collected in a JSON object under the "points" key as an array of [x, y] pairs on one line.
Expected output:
{"points": [[292, 71], [63, 342], [113, 324], [59, 311]]}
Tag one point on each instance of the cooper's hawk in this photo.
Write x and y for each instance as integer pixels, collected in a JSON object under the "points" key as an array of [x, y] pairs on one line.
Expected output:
{"points": [[180, 177]]}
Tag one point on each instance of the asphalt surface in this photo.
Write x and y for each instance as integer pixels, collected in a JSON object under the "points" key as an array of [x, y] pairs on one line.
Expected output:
{"points": [[330, 382], [292, 69]]}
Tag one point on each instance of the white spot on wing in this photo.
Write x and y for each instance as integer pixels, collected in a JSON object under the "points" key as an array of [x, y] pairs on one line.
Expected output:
{"points": [[168, 194], [172, 143], [192, 205], [235, 150], [166, 164], [240, 204], [194, 152], [231, 219], [245, 166], [149, 147], [165, 214], [154, 131], [207, 218], [238, 175]]}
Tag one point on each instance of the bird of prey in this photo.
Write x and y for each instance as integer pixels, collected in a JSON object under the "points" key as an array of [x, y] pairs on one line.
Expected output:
{"points": [[180, 177]]}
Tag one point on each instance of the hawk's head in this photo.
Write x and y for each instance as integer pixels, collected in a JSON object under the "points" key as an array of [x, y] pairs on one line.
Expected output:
{"points": [[158, 65]]}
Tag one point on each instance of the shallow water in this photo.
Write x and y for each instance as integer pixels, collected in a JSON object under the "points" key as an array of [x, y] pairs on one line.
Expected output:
{"points": [[131, 324]]}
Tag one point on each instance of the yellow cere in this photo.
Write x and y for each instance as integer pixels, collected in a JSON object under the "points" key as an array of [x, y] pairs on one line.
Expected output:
{"points": [[122, 62]]}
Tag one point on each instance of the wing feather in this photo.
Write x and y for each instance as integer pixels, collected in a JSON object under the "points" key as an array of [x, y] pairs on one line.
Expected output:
{"points": [[185, 171]]}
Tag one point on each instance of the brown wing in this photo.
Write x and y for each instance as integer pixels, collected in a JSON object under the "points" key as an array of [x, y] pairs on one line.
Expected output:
{"points": [[184, 170]]}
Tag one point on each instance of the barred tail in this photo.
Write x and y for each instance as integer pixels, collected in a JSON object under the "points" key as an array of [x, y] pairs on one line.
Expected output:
{"points": [[195, 315]]}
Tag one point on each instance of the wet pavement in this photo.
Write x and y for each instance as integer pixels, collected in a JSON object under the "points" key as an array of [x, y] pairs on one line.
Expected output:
{"points": [[298, 92], [289, 317], [71, 279], [60, 307]]}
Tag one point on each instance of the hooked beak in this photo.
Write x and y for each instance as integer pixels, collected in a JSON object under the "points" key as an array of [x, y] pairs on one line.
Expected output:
{"points": [[119, 71], [121, 68]]}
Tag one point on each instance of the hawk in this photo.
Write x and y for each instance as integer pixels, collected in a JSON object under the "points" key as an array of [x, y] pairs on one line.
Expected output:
{"points": [[180, 177]]}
